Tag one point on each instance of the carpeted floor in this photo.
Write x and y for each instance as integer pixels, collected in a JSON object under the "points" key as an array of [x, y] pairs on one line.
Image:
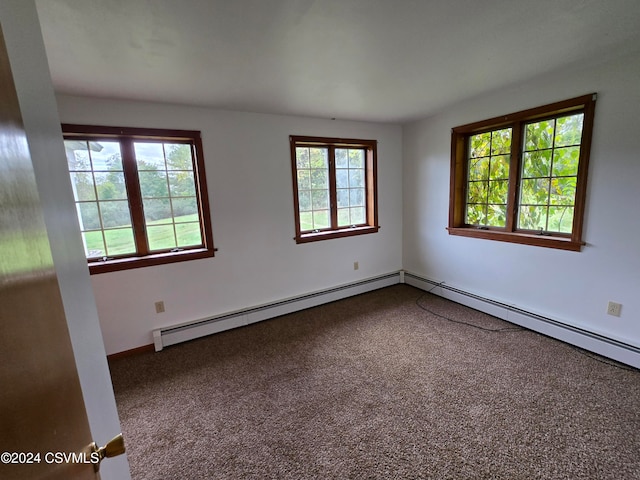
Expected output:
{"points": [[379, 386]]}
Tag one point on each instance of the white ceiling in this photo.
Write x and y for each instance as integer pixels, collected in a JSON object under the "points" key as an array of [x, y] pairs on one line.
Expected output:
{"points": [[376, 60]]}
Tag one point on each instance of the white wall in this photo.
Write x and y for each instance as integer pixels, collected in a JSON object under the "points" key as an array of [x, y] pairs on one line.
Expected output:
{"points": [[568, 286], [248, 169], [38, 107]]}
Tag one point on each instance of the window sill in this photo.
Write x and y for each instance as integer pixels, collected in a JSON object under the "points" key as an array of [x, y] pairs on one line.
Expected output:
{"points": [[149, 260], [548, 241], [328, 234]]}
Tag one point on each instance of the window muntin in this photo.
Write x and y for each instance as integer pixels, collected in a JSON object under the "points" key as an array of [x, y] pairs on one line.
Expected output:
{"points": [[140, 195], [526, 187], [334, 187]]}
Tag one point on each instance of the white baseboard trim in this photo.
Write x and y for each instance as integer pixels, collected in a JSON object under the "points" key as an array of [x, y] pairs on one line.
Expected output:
{"points": [[171, 335], [593, 342]]}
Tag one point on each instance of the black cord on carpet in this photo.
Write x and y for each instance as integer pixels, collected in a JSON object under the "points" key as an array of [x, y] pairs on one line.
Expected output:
{"points": [[444, 317], [606, 361], [586, 353]]}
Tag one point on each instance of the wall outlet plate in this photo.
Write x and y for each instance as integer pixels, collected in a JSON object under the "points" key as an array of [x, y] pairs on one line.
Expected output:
{"points": [[159, 307], [614, 309]]}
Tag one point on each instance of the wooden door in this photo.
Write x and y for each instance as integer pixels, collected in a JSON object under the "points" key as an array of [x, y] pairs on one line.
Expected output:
{"points": [[44, 430]]}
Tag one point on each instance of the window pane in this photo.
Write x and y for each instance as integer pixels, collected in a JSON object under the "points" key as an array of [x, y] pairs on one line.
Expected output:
{"points": [[153, 184], [304, 201], [77, 155], [357, 215], [182, 184], [533, 218], [356, 158], [498, 192], [105, 156], [304, 180], [343, 217], [178, 156], [476, 214], [161, 237], [321, 219], [565, 161], [356, 197], [560, 219], [157, 210], [479, 169], [110, 186], [88, 216], [479, 145], [119, 241], [94, 244], [496, 215], [149, 156], [306, 221], [563, 191], [501, 141], [499, 169], [477, 192], [356, 178], [342, 178], [185, 209], [318, 157], [188, 234], [82, 185], [319, 178], [342, 195], [342, 158], [534, 192], [302, 157], [539, 135], [115, 214], [319, 199], [569, 130], [536, 164]]}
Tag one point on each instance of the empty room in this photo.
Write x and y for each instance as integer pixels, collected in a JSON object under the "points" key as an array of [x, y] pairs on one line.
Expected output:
{"points": [[297, 239]]}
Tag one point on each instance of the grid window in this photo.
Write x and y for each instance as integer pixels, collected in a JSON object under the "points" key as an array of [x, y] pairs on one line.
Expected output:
{"points": [[522, 177], [334, 187], [140, 195]]}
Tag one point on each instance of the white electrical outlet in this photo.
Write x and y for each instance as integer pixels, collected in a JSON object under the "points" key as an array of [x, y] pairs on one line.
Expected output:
{"points": [[160, 307], [614, 309], [356, 266]]}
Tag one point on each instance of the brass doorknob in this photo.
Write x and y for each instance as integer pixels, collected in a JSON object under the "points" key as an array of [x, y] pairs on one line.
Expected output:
{"points": [[113, 448]]}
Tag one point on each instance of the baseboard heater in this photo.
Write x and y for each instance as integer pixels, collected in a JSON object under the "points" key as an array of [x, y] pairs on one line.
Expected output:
{"points": [[164, 337], [593, 342]]}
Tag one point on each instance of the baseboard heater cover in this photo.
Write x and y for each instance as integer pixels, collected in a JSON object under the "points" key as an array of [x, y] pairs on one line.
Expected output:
{"points": [[593, 342], [166, 336]]}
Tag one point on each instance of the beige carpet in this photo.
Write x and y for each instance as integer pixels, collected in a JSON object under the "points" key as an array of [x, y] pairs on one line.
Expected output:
{"points": [[379, 386]]}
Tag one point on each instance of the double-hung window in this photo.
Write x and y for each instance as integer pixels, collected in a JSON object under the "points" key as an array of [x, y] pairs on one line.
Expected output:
{"points": [[140, 195], [522, 177], [334, 187]]}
